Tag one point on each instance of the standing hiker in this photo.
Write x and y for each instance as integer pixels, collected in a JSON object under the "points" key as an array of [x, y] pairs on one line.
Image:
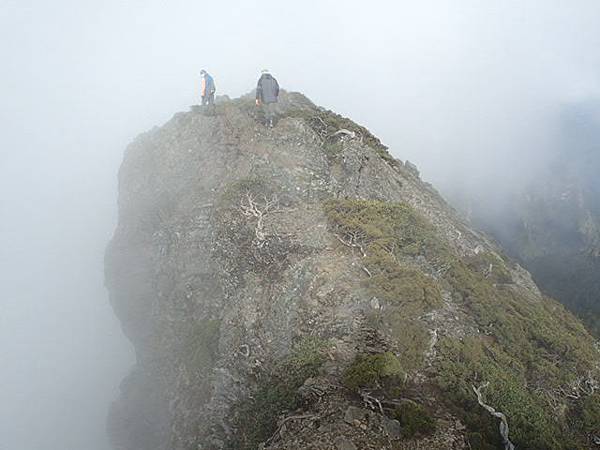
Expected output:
{"points": [[207, 88], [267, 91]]}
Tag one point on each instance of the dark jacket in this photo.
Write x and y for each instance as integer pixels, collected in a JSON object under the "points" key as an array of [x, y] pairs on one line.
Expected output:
{"points": [[267, 89]]}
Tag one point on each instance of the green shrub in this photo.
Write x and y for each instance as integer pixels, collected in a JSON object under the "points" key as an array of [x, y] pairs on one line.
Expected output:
{"points": [[398, 284], [590, 414], [388, 233], [478, 441], [414, 419], [256, 418], [410, 336], [372, 370], [394, 227], [493, 268], [471, 362]]}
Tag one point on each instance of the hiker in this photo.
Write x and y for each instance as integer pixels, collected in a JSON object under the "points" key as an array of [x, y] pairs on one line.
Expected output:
{"points": [[207, 88], [267, 91]]}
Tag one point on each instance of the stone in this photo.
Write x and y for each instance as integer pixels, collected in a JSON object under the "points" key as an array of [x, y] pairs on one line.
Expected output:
{"points": [[343, 443], [355, 414], [411, 168], [392, 428]]}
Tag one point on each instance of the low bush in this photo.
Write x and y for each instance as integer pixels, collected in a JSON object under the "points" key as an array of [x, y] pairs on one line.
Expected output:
{"points": [[414, 419], [370, 371]]}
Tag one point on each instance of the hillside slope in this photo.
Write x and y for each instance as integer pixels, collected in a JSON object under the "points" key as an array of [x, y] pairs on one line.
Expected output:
{"points": [[298, 288], [552, 226]]}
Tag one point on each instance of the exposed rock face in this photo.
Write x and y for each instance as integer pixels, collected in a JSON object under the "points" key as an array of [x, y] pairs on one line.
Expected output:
{"points": [[298, 288]]}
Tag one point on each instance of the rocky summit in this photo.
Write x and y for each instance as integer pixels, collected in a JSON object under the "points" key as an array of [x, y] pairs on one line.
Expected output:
{"points": [[297, 287]]}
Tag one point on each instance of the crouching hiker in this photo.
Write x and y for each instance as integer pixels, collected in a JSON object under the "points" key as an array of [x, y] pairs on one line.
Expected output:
{"points": [[267, 92], [207, 89]]}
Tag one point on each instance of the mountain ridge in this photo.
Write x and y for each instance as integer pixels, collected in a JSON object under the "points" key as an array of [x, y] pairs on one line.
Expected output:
{"points": [[298, 287]]}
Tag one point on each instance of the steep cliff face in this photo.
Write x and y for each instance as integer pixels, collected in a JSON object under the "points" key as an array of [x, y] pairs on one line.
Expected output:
{"points": [[555, 232], [298, 288], [552, 226]]}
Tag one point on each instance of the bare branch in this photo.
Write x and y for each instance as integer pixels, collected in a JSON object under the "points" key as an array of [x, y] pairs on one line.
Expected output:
{"points": [[432, 343], [369, 399], [351, 242], [508, 445], [344, 132], [320, 120], [251, 208], [581, 386]]}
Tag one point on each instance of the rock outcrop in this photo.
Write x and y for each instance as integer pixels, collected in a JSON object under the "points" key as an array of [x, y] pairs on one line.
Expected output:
{"points": [[296, 287]]}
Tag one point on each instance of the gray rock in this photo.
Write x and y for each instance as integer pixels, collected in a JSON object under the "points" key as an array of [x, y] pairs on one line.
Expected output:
{"points": [[353, 413], [392, 428], [411, 168], [343, 443]]}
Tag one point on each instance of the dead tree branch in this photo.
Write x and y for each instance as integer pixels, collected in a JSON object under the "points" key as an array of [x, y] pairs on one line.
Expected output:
{"points": [[581, 386], [489, 270], [251, 208], [344, 132], [369, 399], [352, 241], [508, 445]]}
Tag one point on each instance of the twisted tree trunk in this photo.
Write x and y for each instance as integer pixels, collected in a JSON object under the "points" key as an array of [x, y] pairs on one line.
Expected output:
{"points": [[503, 422]]}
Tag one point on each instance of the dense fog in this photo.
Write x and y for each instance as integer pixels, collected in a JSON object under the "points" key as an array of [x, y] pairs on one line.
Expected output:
{"points": [[462, 88]]}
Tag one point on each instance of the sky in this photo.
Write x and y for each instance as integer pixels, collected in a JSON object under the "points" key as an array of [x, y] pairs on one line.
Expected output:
{"points": [[470, 91]]}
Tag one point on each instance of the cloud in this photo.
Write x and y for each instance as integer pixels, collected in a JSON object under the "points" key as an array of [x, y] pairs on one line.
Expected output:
{"points": [[471, 91]]}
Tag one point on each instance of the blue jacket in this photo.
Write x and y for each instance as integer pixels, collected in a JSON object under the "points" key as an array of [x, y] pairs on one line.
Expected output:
{"points": [[207, 86]]}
